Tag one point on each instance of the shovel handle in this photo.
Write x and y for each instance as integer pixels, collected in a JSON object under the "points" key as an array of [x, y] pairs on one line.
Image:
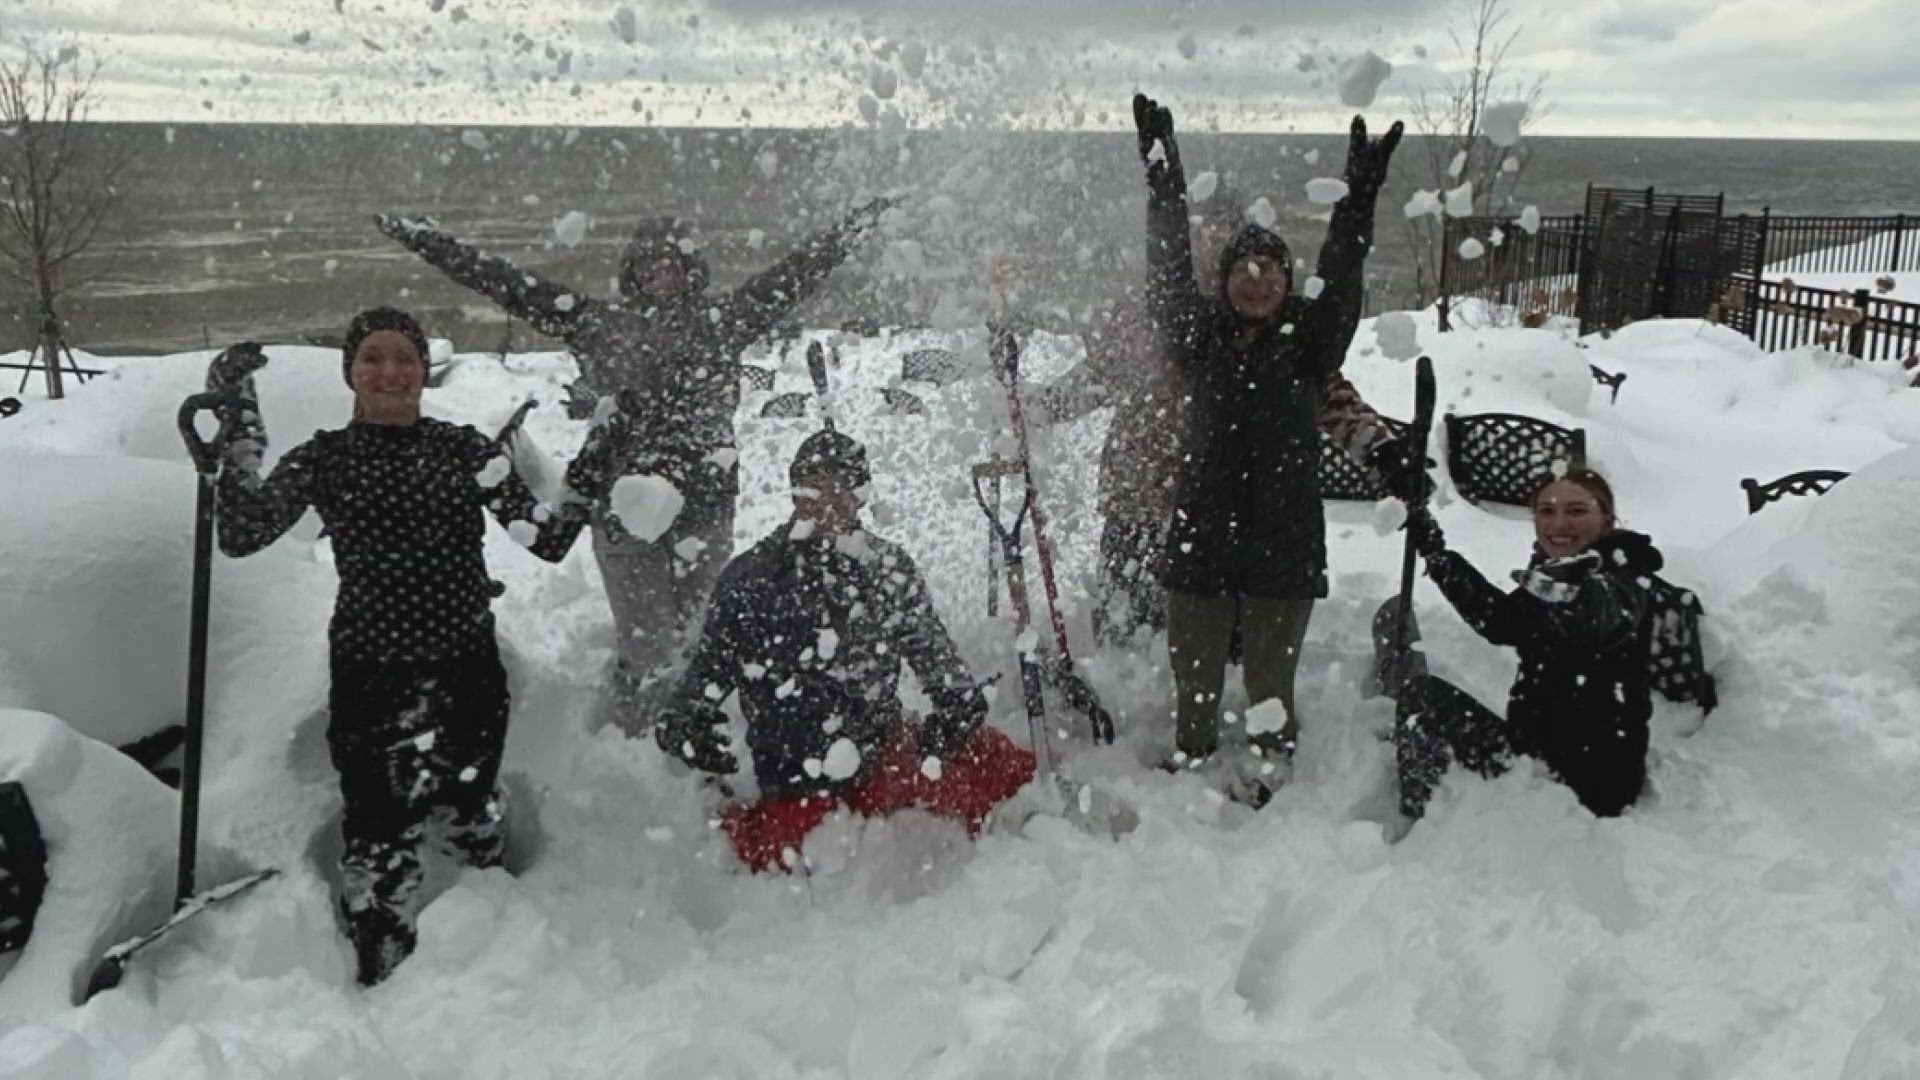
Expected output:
{"points": [[206, 452]]}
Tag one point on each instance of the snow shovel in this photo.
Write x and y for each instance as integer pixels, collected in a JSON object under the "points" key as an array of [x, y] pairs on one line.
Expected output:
{"points": [[206, 460], [1394, 632]]}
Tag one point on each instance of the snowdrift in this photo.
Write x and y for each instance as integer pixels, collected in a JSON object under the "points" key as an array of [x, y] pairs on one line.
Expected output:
{"points": [[1754, 917]]}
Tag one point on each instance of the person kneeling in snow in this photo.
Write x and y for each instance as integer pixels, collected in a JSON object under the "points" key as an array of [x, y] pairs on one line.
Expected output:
{"points": [[418, 702], [1579, 620], [810, 627]]}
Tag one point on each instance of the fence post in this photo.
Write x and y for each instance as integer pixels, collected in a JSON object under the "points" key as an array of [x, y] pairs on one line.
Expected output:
{"points": [[1857, 333], [1899, 234], [1446, 301]]}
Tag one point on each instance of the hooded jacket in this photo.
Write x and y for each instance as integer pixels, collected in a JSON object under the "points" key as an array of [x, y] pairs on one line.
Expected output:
{"points": [[672, 358], [1247, 516], [1581, 700]]}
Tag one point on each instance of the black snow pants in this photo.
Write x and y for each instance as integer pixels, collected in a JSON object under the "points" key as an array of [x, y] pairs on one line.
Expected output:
{"points": [[1439, 723], [416, 745]]}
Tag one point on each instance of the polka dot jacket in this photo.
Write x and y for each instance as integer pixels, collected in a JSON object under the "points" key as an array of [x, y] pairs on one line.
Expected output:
{"points": [[403, 506]]}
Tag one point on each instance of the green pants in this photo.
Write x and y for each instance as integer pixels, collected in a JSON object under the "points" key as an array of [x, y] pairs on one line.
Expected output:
{"points": [[1199, 634]]}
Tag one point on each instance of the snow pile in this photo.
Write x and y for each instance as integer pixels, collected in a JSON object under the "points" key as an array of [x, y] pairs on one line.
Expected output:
{"points": [[1766, 882], [109, 830]]}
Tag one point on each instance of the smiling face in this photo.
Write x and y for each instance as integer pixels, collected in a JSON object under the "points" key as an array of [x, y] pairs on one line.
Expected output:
{"points": [[1567, 517], [387, 374], [831, 502], [1257, 286]]}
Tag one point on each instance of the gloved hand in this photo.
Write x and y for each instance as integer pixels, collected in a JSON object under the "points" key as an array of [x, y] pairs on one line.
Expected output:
{"points": [[403, 229], [243, 434], [947, 731], [1402, 472], [859, 223], [696, 735], [1153, 122], [1367, 159], [581, 400], [1428, 540]]}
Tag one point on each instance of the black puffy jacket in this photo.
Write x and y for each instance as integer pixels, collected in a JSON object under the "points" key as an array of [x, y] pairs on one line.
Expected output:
{"points": [[811, 631], [1581, 700], [677, 357], [1248, 519]]}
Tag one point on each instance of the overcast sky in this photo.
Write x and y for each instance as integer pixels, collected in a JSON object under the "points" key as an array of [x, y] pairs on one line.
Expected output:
{"points": [[1833, 68]]}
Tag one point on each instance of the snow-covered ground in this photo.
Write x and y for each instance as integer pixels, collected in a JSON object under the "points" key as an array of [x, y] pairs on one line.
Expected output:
{"points": [[1805, 270], [1755, 917]]}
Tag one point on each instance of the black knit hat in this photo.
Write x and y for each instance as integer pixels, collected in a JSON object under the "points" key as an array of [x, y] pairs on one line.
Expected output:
{"points": [[374, 320], [830, 453], [657, 238], [1251, 242]]}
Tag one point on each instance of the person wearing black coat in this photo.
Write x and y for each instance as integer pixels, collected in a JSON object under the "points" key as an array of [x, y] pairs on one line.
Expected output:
{"points": [[810, 627], [417, 701], [670, 350], [1247, 541], [1579, 619]]}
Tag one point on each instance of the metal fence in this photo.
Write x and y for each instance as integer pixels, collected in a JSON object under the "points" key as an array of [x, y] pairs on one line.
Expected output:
{"points": [[1637, 254]]}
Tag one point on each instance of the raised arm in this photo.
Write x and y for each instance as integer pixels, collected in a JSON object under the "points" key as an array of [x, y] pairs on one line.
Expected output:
{"points": [[752, 310], [1328, 324], [691, 727], [1173, 298], [1570, 603], [548, 307]]}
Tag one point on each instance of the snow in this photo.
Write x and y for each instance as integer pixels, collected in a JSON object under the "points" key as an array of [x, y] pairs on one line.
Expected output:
{"points": [[646, 505], [1202, 187], [1261, 213], [1459, 201], [1267, 718], [1361, 79], [1808, 270], [1471, 249], [1530, 219], [1398, 335], [1313, 287], [1326, 190], [1423, 203], [1752, 918], [1501, 122], [571, 228]]}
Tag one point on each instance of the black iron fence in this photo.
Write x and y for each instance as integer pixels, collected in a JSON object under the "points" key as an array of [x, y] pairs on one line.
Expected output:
{"points": [[1638, 254]]}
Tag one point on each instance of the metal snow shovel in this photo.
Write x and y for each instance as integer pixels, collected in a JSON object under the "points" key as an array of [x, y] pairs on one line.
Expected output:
{"points": [[206, 461]]}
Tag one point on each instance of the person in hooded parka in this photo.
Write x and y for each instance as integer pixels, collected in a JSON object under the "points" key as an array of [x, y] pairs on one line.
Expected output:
{"points": [[670, 349]]}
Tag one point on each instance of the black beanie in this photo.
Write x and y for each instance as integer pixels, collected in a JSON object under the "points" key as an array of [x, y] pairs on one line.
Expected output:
{"points": [[1255, 241], [829, 452], [373, 320]]}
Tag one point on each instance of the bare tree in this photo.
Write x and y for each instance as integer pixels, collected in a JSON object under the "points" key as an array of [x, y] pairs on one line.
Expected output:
{"points": [[59, 180], [1450, 115]]}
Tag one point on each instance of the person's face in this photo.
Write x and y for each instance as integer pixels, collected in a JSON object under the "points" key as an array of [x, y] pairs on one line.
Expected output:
{"points": [[663, 277], [1566, 518], [1257, 286], [831, 503], [388, 374]]}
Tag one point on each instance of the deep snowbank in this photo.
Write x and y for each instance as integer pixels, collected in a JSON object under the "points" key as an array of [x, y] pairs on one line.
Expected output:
{"points": [[1755, 917]]}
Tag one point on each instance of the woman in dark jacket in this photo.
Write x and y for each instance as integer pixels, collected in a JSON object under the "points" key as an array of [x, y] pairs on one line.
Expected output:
{"points": [[1579, 620], [418, 698], [1247, 541]]}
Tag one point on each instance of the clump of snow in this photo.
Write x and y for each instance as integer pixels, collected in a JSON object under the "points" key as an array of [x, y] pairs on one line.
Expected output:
{"points": [[1360, 80], [842, 760], [1261, 213], [1189, 48], [1398, 336], [1269, 717], [646, 505], [1458, 163], [1460, 201], [1501, 122], [1423, 203], [571, 228], [1202, 187], [1530, 219], [884, 82], [474, 139], [1313, 287], [626, 25], [1311, 157], [1471, 249], [1326, 190]]}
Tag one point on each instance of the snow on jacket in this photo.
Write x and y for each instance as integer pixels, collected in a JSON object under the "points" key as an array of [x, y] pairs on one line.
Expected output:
{"points": [[1248, 519], [812, 631], [675, 357], [404, 506], [1581, 700]]}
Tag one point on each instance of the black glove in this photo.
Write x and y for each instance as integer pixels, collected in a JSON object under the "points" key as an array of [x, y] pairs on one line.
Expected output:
{"points": [[1402, 472], [858, 224], [403, 229], [1154, 124], [1367, 159], [1428, 540], [581, 400], [696, 735], [604, 455], [947, 730], [243, 435], [231, 372]]}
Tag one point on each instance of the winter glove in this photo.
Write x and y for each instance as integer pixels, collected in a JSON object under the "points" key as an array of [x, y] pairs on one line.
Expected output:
{"points": [[1425, 532], [697, 736], [243, 435], [1161, 155], [1367, 159], [404, 229], [605, 454], [581, 400], [1402, 472], [948, 729]]}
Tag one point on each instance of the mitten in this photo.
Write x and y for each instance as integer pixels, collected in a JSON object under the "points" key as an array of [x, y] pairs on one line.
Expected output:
{"points": [[696, 735]]}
